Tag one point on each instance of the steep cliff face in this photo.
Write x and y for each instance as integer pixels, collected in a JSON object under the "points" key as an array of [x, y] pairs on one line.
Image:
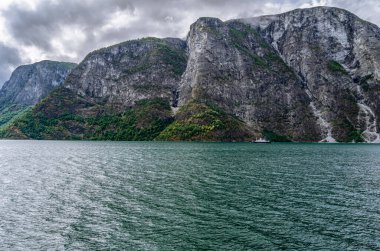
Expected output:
{"points": [[232, 66], [305, 75], [122, 74], [337, 56], [123, 92], [28, 85]]}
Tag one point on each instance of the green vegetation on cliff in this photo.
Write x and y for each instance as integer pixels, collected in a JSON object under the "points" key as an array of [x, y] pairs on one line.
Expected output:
{"points": [[11, 113], [173, 57], [239, 40], [57, 117], [203, 122], [142, 122], [65, 115], [335, 67]]}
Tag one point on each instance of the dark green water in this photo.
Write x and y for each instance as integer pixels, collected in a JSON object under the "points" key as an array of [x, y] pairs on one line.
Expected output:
{"points": [[188, 196]]}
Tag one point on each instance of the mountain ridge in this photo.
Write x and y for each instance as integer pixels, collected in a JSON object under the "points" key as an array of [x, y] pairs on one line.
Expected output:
{"points": [[304, 75]]}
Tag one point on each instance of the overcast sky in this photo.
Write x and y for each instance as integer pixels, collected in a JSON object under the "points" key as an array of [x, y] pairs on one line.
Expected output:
{"points": [[66, 30]]}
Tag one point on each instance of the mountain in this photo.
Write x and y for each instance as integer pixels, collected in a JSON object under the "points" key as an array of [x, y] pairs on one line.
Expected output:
{"points": [[305, 75], [337, 56], [232, 66], [28, 85], [121, 92]]}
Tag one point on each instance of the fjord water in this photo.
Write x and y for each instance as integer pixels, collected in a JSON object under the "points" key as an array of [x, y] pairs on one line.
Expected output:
{"points": [[188, 196]]}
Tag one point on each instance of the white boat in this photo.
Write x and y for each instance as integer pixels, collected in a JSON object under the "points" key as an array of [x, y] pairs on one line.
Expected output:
{"points": [[261, 140]]}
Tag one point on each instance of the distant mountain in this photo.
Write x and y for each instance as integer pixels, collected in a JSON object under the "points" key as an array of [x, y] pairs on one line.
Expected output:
{"points": [[28, 85], [305, 75]]}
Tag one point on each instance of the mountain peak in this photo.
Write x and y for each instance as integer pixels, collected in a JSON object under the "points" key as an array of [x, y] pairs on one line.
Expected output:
{"points": [[209, 20], [202, 22], [304, 15]]}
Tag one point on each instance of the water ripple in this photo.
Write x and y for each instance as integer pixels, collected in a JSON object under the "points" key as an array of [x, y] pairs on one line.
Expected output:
{"points": [[188, 196]]}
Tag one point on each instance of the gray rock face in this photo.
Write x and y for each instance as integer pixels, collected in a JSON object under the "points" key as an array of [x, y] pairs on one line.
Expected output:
{"points": [[122, 74], [307, 75], [232, 66], [337, 56], [29, 84]]}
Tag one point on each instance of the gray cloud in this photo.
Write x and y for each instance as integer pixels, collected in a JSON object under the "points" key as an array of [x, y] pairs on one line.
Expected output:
{"points": [[9, 58], [40, 25], [69, 29]]}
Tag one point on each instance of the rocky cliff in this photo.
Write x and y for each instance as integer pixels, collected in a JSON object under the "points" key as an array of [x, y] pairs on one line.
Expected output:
{"points": [[337, 56], [122, 74], [29, 84], [232, 66], [123, 92], [305, 75]]}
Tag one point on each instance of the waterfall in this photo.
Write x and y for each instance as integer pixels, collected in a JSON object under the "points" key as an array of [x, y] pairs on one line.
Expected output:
{"points": [[325, 126], [370, 134]]}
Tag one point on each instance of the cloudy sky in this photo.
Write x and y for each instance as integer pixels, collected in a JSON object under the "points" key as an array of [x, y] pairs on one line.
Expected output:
{"points": [[66, 30]]}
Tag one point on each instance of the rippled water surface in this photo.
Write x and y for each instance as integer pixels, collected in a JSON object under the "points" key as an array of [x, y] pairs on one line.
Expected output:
{"points": [[188, 196]]}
